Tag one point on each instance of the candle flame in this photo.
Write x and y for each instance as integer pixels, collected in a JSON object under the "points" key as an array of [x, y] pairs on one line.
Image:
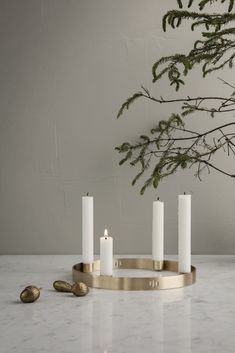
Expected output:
{"points": [[106, 232]]}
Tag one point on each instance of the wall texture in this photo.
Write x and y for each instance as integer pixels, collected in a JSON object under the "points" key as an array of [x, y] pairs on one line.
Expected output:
{"points": [[65, 68]]}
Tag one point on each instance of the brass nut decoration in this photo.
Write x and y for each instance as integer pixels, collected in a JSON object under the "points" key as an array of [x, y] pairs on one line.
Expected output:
{"points": [[62, 286], [30, 294], [80, 289]]}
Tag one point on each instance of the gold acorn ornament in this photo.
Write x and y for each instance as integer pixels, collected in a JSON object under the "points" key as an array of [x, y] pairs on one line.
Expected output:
{"points": [[30, 294], [62, 286], [80, 289]]}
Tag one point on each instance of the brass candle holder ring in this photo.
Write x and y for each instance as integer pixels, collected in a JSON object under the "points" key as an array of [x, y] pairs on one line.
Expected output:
{"points": [[85, 273]]}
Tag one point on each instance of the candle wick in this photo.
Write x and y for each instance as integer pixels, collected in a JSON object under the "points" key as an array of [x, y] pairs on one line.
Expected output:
{"points": [[87, 194], [184, 193], [158, 198]]}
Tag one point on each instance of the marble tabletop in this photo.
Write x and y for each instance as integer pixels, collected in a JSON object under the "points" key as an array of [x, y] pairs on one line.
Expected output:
{"points": [[199, 318]]}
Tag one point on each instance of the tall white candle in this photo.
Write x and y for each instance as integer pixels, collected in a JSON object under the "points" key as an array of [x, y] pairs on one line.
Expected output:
{"points": [[106, 255], [158, 231], [184, 233], [87, 230]]}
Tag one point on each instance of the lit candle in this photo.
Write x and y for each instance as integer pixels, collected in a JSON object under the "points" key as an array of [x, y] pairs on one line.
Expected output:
{"points": [[184, 233], [106, 255], [158, 231], [87, 230]]}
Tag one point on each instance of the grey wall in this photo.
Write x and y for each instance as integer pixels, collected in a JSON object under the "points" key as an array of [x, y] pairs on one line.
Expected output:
{"points": [[65, 68]]}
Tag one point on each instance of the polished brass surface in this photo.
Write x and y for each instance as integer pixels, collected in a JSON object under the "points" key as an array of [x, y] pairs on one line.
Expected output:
{"points": [[158, 265], [80, 289], [30, 294], [62, 286], [135, 283], [87, 267]]}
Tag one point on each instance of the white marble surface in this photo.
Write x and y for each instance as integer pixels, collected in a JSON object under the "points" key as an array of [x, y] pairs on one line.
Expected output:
{"points": [[199, 319]]}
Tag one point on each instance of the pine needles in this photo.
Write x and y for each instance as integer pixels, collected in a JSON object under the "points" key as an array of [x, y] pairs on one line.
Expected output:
{"points": [[169, 146]]}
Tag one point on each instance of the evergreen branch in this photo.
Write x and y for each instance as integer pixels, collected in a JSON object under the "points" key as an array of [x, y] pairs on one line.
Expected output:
{"points": [[224, 102], [217, 169], [174, 18], [203, 3], [171, 16], [212, 49], [128, 102], [170, 146], [167, 149]]}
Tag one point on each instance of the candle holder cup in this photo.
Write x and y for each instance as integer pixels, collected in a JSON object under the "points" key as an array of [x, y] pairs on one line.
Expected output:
{"points": [[85, 273]]}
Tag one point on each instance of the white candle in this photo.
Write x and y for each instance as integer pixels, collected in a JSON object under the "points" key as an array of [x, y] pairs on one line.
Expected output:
{"points": [[87, 230], [106, 255], [184, 233], [158, 231]]}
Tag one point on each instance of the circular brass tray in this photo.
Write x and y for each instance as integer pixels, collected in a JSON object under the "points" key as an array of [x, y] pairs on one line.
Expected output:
{"points": [[84, 273]]}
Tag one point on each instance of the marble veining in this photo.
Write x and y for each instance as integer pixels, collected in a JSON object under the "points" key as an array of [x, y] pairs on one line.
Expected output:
{"points": [[199, 318]]}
